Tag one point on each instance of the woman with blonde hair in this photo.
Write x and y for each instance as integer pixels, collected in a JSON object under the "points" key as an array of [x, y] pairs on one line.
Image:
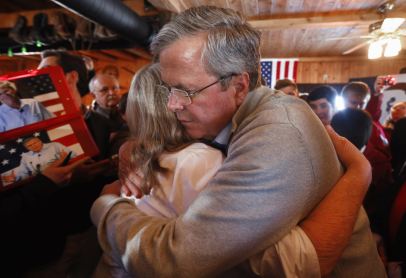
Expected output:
{"points": [[179, 168]]}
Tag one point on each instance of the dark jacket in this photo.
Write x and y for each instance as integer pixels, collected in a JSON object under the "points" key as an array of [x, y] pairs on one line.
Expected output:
{"points": [[379, 221]]}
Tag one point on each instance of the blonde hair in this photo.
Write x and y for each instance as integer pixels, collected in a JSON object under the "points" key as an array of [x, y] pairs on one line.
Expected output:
{"points": [[154, 129], [357, 88], [282, 83]]}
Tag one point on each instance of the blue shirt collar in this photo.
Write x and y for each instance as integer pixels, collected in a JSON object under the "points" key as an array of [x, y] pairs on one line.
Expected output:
{"points": [[222, 138], [4, 107]]}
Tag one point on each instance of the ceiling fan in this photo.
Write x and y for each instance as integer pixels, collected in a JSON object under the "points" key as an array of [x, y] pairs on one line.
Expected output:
{"points": [[381, 33]]}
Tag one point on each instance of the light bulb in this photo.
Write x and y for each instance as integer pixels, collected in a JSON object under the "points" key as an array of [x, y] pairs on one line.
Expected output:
{"points": [[375, 50], [392, 48]]}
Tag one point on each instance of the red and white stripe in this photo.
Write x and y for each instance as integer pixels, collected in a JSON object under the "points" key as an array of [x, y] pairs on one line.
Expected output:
{"points": [[52, 103], [65, 136], [283, 68]]}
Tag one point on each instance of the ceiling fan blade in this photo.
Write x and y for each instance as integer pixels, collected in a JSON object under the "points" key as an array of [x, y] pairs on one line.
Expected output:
{"points": [[361, 45]]}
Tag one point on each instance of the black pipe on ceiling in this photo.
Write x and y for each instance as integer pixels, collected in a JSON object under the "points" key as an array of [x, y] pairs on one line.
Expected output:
{"points": [[114, 15]]}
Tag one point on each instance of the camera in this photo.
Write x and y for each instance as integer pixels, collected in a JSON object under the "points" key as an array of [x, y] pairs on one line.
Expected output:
{"points": [[389, 80]]}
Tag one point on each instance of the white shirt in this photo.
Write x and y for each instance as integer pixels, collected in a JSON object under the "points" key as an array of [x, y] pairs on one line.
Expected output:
{"points": [[193, 168], [31, 111]]}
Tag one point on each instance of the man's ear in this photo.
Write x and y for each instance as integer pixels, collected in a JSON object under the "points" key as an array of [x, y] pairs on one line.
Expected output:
{"points": [[72, 77], [242, 83], [93, 95]]}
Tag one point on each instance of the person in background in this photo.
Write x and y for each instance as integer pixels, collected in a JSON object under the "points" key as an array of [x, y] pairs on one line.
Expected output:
{"points": [[90, 67], [356, 125], [105, 90], [398, 147], [388, 220], [287, 86], [397, 112], [34, 229], [353, 124], [375, 101], [322, 100], [16, 112], [76, 75], [81, 251], [120, 137], [356, 95]]}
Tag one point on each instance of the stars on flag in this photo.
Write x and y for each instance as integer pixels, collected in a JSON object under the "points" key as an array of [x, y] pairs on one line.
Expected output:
{"points": [[4, 162], [2, 147], [12, 151], [19, 140], [36, 134]]}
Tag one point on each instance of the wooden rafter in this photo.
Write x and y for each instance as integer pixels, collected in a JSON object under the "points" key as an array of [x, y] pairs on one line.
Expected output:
{"points": [[120, 54], [141, 53], [99, 55], [323, 21], [35, 58]]}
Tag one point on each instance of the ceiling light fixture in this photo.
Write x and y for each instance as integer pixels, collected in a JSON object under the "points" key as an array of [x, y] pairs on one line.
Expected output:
{"points": [[375, 50], [392, 48], [391, 24]]}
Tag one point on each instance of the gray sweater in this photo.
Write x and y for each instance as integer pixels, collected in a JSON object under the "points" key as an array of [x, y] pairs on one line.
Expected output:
{"points": [[280, 165]]}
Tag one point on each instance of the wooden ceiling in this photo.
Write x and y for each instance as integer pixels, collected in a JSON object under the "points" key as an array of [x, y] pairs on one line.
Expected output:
{"points": [[290, 28], [299, 28]]}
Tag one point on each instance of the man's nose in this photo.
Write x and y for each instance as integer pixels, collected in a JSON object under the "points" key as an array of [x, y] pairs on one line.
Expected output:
{"points": [[174, 104]]}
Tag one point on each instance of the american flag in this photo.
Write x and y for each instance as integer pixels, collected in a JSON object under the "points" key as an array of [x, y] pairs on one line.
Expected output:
{"points": [[274, 69], [41, 89], [12, 151]]}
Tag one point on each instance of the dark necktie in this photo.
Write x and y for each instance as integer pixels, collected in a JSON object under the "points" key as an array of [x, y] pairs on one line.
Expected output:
{"points": [[219, 146]]}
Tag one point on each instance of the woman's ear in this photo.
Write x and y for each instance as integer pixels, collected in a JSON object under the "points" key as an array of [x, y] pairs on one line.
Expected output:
{"points": [[242, 82]]}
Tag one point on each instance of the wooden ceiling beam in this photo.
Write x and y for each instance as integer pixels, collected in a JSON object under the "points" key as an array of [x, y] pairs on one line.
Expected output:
{"points": [[139, 51], [99, 55], [323, 21], [347, 58], [175, 6], [120, 54], [19, 57], [8, 19]]}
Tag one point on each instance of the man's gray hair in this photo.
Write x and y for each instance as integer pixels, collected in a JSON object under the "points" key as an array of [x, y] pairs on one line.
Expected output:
{"points": [[97, 76], [232, 45]]}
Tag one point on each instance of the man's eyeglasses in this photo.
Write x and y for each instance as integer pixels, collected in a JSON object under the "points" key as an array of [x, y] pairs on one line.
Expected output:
{"points": [[182, 96], [106, 90]]}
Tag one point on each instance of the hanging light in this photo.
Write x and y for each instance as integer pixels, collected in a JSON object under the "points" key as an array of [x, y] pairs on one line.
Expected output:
{"points": [[375, 50], [393, 48], [391, 24]]}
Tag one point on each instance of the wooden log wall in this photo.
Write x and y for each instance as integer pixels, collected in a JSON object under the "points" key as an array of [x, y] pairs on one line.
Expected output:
{"points": [[342, 71]]}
